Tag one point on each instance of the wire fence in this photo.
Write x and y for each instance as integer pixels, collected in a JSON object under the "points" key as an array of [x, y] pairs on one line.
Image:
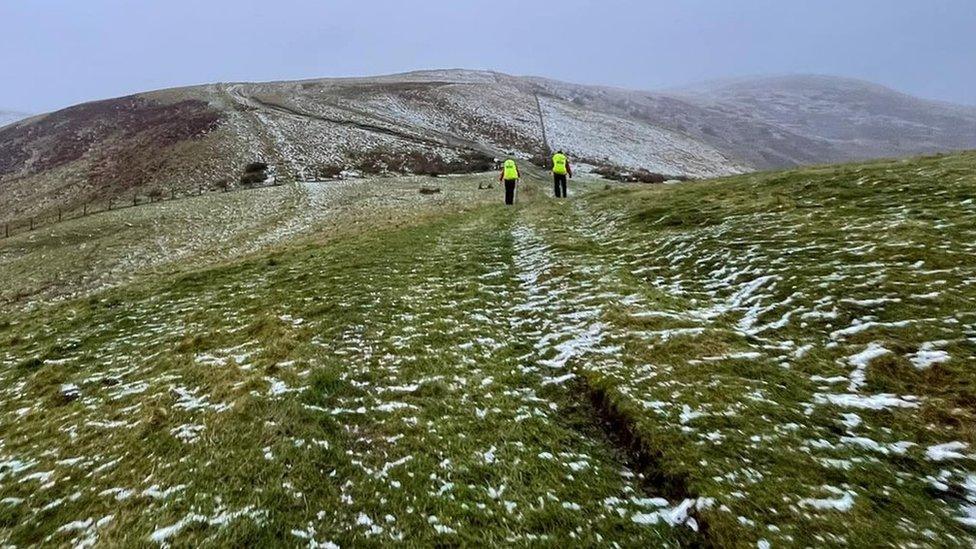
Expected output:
{"points": [[62, 214]]}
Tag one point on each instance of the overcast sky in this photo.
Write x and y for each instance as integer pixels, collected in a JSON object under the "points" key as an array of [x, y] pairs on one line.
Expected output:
{"points": [[54, 53]]}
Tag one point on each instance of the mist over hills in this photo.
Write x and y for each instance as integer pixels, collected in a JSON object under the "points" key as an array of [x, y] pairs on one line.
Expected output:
{"points": [[860, 119], [9, 117]]}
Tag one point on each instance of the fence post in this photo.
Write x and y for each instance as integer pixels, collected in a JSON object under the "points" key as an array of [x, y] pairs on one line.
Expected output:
{"points": [[32, 224], [6, 230], [59, 215], [135, 199], [84, 212], [110, 204]]}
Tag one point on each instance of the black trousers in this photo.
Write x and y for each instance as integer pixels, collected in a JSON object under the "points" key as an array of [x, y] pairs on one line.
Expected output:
{"points": [[510, 191], [559, 184]]}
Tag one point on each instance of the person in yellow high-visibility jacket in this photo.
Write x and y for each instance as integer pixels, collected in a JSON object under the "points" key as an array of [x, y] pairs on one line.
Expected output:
{"points": [[510, 176], [560, 169]]}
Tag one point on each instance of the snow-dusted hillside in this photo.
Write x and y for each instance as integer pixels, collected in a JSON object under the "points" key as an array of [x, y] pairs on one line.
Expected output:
{"points": [[447, 113], [860, 118], [785, 121], [426, 122], [452, 121], [601, 138]]}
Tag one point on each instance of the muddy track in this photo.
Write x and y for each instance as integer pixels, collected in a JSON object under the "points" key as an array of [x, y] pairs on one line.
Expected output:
{"points": [[571, 316], [594, 415], [620, 431]]}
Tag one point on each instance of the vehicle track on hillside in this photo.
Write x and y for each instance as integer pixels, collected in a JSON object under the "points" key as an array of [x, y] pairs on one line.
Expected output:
{"points": [[464, 319], [441, 139], [569, 299]]}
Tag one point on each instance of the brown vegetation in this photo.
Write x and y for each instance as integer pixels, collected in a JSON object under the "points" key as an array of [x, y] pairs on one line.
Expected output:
{"points": [[420, 163], [636, 176], [122, 135]]}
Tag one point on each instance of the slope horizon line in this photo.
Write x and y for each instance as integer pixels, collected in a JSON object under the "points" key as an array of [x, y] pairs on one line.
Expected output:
{"points": [[694, 87]]}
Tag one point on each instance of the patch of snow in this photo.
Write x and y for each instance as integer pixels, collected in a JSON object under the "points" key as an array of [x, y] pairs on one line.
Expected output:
{"points": [[947, 451], [842, 504], [867, 402], [861, 361], [929, 355]]}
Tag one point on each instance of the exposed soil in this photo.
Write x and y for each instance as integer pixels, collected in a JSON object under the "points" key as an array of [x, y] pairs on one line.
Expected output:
{"points": [[618, 430]]}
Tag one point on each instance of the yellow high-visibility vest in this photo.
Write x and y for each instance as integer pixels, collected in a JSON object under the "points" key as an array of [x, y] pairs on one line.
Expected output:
{"points": [[559, 162], [511, 170]]}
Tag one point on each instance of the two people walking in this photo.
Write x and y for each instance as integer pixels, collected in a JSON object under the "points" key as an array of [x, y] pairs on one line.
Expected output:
{"points": [[560, 170]]}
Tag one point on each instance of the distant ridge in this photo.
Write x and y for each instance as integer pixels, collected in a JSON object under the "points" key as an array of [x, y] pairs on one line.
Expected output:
{"points": [[454, 120]]}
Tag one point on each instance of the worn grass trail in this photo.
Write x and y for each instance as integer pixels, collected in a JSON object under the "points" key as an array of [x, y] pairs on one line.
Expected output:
{"points": [[796, 347], [395, 386], [778, 358]]}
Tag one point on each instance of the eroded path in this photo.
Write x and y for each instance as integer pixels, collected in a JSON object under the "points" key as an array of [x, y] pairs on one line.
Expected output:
{"points": [[739, 354]]}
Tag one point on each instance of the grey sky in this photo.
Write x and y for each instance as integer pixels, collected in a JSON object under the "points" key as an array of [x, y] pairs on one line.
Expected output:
{"points": [[54, 53]]}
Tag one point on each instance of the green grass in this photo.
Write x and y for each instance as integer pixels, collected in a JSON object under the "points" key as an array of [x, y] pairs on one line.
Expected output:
{"points": [[105, 249], [528, 376]]}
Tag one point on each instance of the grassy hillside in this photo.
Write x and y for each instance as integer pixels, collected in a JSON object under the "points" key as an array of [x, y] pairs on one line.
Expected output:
{"points": [[203, 137], [185, 140], [82, 254], [782, 358]]}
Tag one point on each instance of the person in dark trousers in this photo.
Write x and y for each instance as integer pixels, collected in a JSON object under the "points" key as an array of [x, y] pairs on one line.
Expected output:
{"points": [[560, 169], [510, 176]]}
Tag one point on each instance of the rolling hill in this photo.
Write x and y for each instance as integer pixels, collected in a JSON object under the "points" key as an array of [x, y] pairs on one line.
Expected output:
{"points": [[858, 119], [451, 121]]}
